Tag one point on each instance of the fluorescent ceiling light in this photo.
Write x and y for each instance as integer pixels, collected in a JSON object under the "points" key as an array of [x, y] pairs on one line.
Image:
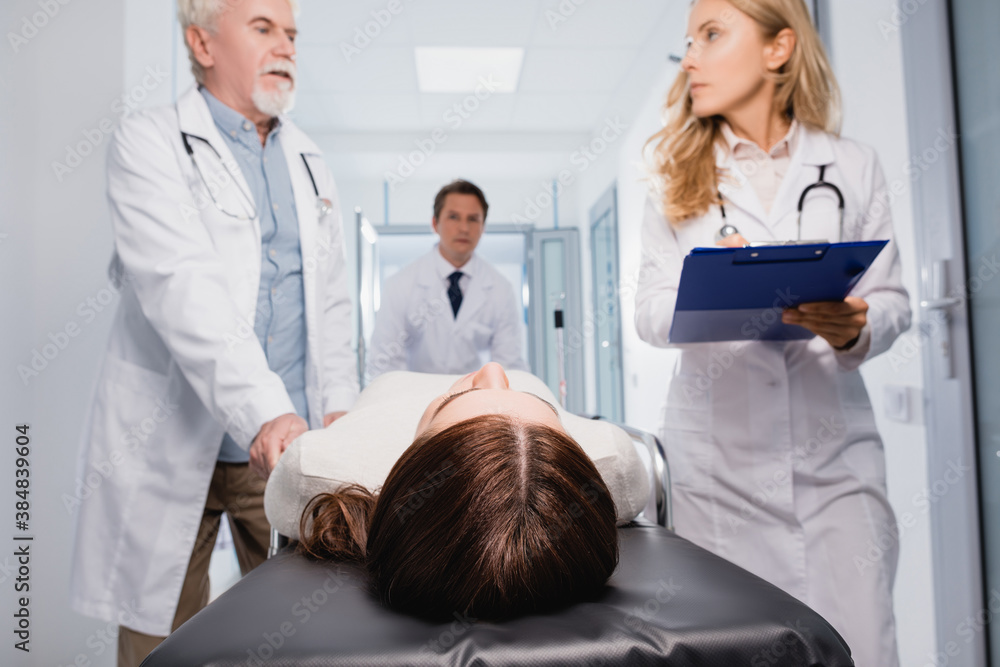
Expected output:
{"points": [[460, 70]]}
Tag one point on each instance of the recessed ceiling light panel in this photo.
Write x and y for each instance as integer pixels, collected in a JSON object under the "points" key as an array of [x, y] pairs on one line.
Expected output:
{"points": [[464, 70]]}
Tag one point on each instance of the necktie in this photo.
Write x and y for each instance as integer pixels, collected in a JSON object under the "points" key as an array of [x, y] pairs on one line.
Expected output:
{"points": [[455, 292]]}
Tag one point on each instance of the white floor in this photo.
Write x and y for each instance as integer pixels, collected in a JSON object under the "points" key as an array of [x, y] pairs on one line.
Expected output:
{"points": [[224, 569]]}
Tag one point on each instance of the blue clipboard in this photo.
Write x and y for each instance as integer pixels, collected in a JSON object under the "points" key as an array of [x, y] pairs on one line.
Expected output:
{"points": [[739, 293]]}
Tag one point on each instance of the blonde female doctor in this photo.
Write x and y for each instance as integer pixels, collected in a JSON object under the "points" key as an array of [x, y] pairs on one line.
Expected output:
{"points": [[777, 463]]}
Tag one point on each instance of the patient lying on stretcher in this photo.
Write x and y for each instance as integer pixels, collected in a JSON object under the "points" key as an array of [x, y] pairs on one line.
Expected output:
{"points": [[503, 504]]}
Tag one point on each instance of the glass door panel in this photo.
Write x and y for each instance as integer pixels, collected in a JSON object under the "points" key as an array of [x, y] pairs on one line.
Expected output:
{"points": [[975, 24]]}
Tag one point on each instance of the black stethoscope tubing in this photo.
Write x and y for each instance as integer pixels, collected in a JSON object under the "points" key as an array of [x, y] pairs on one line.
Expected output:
{"points": [[728, 229], [322, 205]]}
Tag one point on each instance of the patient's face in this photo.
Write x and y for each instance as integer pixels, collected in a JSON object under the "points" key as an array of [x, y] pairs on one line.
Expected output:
{"points": [[486, 391]]}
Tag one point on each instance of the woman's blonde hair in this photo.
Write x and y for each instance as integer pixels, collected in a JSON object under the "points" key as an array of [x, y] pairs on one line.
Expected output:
{"points": [[205, 14], [684, 173]]}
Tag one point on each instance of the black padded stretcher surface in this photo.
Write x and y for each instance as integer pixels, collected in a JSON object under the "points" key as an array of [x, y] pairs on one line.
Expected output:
{"points": [[668, 603]]}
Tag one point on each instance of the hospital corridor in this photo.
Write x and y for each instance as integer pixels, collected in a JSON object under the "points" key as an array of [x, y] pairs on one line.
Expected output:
{"points": [[535, 332]]}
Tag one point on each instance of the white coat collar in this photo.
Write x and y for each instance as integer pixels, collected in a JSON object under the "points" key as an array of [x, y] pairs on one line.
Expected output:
{"points": [[814, 149], [194, 117]]}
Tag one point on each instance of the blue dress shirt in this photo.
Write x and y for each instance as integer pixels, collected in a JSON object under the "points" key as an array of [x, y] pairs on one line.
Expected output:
{"points": [[280, 322]]}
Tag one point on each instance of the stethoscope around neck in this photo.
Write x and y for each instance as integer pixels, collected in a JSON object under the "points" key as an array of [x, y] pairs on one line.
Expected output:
{"points": [[728, 229], [323, 205]]}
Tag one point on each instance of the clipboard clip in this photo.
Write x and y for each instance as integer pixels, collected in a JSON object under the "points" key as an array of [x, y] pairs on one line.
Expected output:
{"points": [[780, 253], [760, 244]]}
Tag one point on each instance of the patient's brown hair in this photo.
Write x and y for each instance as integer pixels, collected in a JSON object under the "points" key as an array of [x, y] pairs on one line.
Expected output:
{"points": [[491, 517]]}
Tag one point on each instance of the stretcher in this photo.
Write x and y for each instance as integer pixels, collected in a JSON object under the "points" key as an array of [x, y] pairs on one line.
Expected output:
{"points": [[669, 602]]}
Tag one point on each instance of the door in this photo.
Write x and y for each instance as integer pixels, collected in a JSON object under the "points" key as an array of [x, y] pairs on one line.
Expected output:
{"points": [[943, 321], [385, 249], [977, 87], [607, 309], [557, 354]]}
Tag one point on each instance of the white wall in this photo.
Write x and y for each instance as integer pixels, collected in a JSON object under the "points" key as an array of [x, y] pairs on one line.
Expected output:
{"points": [[869, 69], [59, 88], [875, 113]]}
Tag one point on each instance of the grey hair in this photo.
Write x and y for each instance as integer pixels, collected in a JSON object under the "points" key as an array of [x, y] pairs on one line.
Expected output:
{"points": [[205, 14]]}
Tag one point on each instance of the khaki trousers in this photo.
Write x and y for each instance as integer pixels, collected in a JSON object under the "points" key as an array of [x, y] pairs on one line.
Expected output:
{"points": [[240, 494]]}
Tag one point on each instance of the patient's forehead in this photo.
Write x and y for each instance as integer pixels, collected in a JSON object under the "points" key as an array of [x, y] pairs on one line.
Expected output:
{"points": [[515, 404]]}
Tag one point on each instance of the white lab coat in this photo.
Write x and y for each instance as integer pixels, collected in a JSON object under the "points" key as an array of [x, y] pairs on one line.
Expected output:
{"points": [[415, 329], [183, 364], [776, 461]]}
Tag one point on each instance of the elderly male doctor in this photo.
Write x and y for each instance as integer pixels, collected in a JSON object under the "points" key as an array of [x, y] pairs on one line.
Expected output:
{"points": [[233, 335], [450, 311]]}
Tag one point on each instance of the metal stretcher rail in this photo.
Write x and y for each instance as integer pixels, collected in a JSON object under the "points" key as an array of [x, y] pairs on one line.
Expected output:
{"points": [[659, 475]]}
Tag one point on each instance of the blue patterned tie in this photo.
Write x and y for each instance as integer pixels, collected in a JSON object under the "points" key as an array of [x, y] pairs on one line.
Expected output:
{"points": [[455, 292]]}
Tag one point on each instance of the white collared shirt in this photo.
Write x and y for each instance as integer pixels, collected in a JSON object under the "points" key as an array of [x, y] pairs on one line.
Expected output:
{"points": [[445, 268], [764, 171]]}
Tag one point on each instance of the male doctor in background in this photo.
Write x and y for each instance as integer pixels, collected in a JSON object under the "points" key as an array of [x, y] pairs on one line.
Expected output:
{"points": [[450, 311], [233, 335]]}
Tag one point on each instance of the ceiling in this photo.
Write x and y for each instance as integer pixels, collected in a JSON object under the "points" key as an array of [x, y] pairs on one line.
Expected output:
{"points": [[585, 61]]}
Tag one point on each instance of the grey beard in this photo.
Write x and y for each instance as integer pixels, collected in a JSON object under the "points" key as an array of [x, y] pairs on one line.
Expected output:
{"points": [[273, 103]]}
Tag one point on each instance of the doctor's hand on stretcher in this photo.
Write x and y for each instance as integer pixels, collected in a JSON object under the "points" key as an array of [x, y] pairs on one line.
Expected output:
{"points": [[838, 322], [272, 440]]}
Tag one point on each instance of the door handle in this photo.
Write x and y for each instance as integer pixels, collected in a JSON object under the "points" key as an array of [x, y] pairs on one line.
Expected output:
{"points": [[941, 304]]}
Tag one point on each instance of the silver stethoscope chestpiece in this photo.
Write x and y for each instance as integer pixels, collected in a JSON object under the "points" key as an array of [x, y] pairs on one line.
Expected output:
{"points": [[724, 231], [323, 206]]}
